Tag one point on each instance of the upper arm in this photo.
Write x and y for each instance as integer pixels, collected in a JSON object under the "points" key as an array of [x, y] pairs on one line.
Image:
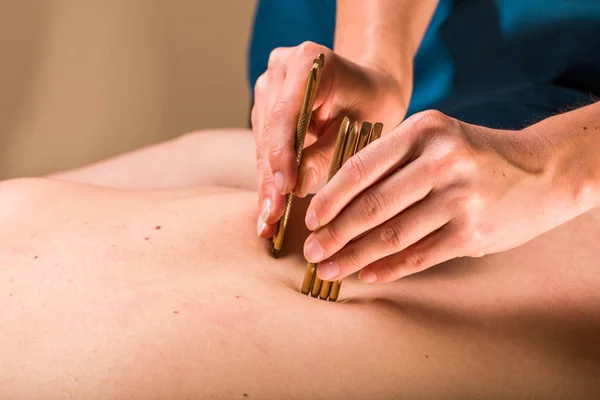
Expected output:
{"points": [[205, 158]]}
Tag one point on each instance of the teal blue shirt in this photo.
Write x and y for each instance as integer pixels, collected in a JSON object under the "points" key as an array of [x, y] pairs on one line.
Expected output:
{"points": [[497, 63]]}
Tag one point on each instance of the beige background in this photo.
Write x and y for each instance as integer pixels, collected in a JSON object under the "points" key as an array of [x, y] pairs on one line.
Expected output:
{"points": [[81, 80]]}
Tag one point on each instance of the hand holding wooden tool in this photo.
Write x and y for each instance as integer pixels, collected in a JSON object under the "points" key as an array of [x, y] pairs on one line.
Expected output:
{"points": [[349, 142], [310, 92]]}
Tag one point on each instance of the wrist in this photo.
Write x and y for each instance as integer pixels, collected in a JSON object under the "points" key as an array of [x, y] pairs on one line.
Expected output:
{"points": [[570, 163], [393, 82], [398, 67]]}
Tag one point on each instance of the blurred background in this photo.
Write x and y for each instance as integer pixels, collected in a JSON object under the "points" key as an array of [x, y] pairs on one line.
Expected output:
{"points": [[81, 80]]}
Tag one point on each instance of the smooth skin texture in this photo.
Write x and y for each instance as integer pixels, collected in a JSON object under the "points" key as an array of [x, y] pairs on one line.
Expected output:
{"points": [[436, 188], [189, 160], [368, 77], [168, 293]]}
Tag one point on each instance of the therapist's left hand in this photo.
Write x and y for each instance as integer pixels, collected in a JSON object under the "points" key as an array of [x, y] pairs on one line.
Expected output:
{"points": [[435, 189]]}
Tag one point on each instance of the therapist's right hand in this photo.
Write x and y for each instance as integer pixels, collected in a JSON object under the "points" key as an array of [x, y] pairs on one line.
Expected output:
{"points": [[362, 91]]}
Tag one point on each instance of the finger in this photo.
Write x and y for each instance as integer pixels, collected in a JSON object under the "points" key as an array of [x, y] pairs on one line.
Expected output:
{"points": [[271, 204], [316, 161], [260, 96], [267, 87], [377, 160], [260, 91], [362, 170], [374, 206], [392, 237], [280, 125], [264, 86], [440, 246], [265, 90], [277, 66], [275, 78], [267, 194]]}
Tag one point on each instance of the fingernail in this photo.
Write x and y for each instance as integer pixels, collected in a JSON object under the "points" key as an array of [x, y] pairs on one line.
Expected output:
{"points": [[265, 212], [311, 220], [279, 182], [314, 252], [308, 182], [328, 271], [260, 227], [367, 276]]}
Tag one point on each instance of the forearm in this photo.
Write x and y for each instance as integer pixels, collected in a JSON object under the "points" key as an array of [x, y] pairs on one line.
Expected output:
{"points": [[385, 34]]}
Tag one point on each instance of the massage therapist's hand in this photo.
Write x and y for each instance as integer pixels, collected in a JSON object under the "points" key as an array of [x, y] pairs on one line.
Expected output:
{"points": [[434, 189], [361, 91]]}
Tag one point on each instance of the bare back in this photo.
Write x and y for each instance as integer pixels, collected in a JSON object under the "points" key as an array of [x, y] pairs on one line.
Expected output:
{"points": [[114, 293]]}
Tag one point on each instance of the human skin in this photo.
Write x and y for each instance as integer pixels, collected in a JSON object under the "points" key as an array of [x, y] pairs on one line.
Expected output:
{"points": [[168, 293], [111, 293], [186, 161], [368, 77], [436, 188]]}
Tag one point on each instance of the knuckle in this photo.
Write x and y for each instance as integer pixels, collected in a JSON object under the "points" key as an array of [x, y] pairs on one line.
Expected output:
{"points": [[262, 166], [387, 270], [275, 57], [357, 168], [430, 167], [260, 161], [461, 239], [275, 152], [321, 203], [468, 203], [456, 161], [335, 234], [277, 112], [476, 232], [464, 164], [260, 86], [371, 204], [351, 259], [470, 237], [280, 107], [580, 192], [319, 160], [473, 203], [390, 237], [266, 178], [475, 235], [254, 120], [448, 149], [430, 120], [434, 116], [416, 261], [308, 49]]}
